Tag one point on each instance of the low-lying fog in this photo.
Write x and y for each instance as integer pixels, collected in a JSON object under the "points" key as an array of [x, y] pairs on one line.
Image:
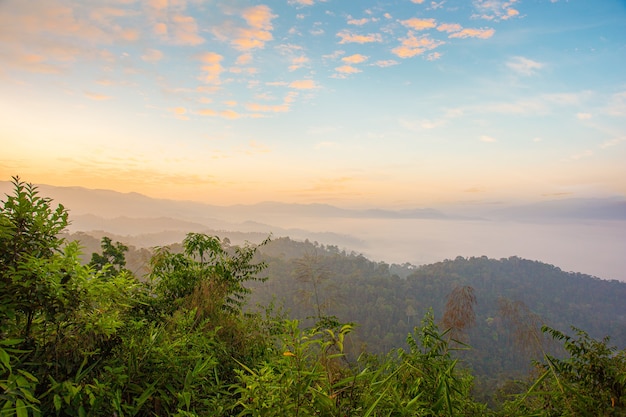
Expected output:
{"points": [[592, 247]]}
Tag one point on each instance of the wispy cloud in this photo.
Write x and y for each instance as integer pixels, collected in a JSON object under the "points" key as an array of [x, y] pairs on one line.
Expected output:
{"points": [[358, 22], [256, 33], [483, 33], [349, 37], [613, 142], [179, 113], [354, 59], [495, 9], [97, 96], [488, 139], [524, 66], [347, 69], [449, 27], [211, 67], [152, 55], [303, 84], [385, 63], [412, 45], [617, 104], [419, 24]]}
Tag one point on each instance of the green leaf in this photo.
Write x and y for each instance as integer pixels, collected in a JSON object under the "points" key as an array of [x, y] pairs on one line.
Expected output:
{"points": [[20, 408], [5, 359], [58, 402]]}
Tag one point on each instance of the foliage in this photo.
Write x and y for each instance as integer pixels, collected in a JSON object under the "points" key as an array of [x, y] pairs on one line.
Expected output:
{"points": [[592, 377], [93, 340], [112, 261]]}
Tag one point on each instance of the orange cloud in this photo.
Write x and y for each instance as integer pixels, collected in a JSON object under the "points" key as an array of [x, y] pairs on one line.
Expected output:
{"points": [[229, 114], [244, 59], [259, 19], [298, 62], [449, 27], [179, 112], [303, 84], [96, 96], [347, 37], [185, 30], [354, 59], [419, 24], [474, 33], [207, 112], [412, 45], [418, 1], [386, 63], [277, 108], [511, 13], [212, 67], [160, 29], [347, 69], [358, 22]]}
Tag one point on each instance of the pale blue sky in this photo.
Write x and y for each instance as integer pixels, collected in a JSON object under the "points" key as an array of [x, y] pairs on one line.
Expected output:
{"points": [[355, 103]]}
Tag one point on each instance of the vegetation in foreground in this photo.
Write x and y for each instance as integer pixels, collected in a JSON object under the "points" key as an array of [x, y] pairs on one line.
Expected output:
{"points": [[93, 340]]}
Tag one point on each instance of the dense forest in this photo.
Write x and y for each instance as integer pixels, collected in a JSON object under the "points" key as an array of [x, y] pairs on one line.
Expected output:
{"points": [[208, 328]]}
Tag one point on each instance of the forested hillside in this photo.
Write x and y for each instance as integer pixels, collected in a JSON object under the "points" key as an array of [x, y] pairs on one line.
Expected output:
{"points": [[358, 338], [387, 301]]}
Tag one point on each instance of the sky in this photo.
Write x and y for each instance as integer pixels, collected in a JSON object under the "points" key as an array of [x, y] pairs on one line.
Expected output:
{"points": [[355, 103]]}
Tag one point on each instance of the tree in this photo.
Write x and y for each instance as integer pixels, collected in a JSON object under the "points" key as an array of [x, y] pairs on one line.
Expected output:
{"points": [[113, 258], [206, 265]]}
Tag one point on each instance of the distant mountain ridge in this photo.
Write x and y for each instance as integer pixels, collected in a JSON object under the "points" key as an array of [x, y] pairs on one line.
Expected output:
{"points": [[108, 203]]}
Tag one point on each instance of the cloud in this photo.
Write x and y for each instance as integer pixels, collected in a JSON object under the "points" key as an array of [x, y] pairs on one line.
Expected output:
{"points": [[298, 62], [524, 66], [347, 69], [348, 37], [584, 154], [179, 112], [211, 67], [419, 24], [229, 114], [412, 45], [487, 139], [207, 112], [325, 145], [302, 2], [433, 56], [583, 116], [265, 108], [449, 27], [474, 33], [354, 59], [418, 1], [386, 63], [152, 55], [613, 142], [303, 84], [495, 9], [97, 96], [617, 104], [358, 22], [244, 59], [184, 31], [259, 19]]}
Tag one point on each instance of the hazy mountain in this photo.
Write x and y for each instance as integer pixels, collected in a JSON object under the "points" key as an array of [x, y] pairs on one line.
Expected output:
{"points": [[582, 235], [566, 209]]}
